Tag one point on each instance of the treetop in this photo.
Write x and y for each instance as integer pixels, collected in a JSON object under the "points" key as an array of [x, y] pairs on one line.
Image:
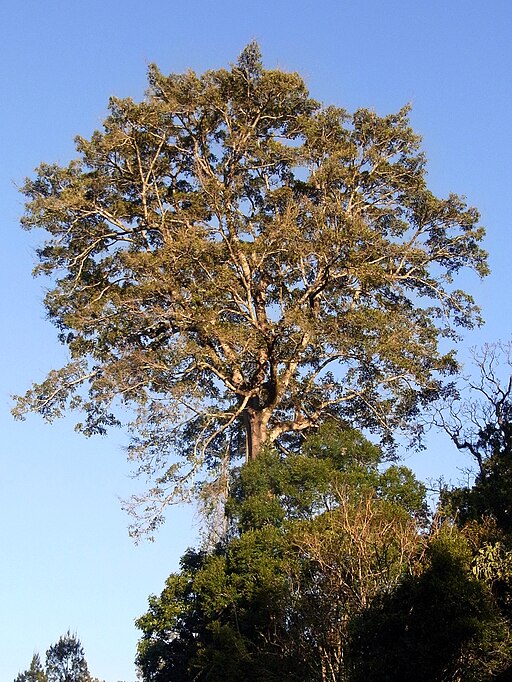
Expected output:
{"points": [[238, 263]]}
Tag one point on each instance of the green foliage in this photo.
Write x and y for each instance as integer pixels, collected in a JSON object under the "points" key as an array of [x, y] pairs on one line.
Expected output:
{"points": [[65, 662], [329, 573], [215, 618], [238, 263], [313, 537], [35, 673], [439, 624], [301, 485], [173, 625]]}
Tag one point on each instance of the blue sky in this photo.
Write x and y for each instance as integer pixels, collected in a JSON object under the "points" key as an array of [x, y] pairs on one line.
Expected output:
{"points": [[66, 559]]}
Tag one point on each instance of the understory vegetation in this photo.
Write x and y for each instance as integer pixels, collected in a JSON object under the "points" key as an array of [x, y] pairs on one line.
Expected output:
{"points": [[331, 568]]}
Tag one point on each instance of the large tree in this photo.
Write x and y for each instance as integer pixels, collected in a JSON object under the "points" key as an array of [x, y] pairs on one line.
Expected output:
{"points": [[237, 262]]}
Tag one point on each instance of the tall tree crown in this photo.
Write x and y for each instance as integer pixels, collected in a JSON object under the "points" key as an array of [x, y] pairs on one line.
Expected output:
{"points": [[237, 262]]}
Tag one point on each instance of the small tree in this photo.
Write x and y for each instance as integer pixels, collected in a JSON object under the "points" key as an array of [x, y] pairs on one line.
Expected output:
{"points": [[65, 661], [348, 557], [35, 673], [239, 263]]}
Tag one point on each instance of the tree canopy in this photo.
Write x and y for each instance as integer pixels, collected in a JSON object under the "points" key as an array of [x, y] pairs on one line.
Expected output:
{"points": [[236, 263]]}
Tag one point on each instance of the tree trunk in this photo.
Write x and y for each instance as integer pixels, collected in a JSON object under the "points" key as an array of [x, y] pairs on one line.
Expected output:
{"points": [[255, 423]]}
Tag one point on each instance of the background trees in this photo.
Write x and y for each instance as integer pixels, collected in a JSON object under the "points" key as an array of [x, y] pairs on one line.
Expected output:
{"points": [[65, 662], [237, 263], [35, 673], [482, 426]]}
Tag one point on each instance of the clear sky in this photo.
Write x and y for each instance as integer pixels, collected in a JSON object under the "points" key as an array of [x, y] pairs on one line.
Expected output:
{"points": [[66, 559]]}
